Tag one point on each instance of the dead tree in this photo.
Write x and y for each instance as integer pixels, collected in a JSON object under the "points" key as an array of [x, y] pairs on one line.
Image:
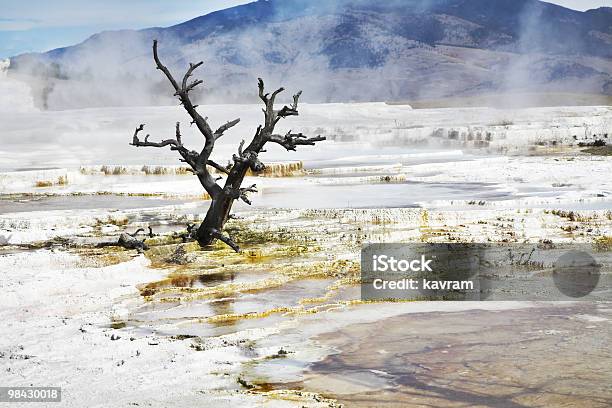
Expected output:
{"points": [[247, 158]]}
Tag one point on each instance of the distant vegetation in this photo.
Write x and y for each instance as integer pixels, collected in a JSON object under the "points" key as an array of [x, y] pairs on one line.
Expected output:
{"points": [[599, 150], [513, 100], [61, 181]]}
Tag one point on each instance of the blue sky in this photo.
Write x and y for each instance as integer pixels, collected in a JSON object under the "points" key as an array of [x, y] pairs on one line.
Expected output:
{"points": [[40, 25]]}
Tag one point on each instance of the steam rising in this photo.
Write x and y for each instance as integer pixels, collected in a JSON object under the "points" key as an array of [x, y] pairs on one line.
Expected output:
{"points": [[334, 51], [14, 95]]}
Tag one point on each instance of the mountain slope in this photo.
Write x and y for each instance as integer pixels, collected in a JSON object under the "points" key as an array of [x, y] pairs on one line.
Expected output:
{"points": [[344, 50]]}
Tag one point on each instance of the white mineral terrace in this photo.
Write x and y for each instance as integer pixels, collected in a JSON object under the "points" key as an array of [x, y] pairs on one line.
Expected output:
{"points": [[36, 139], [281, 324]]}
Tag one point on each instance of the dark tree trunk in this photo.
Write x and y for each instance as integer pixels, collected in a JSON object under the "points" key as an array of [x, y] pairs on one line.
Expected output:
{"points": [[219, 211], [223, 198]]}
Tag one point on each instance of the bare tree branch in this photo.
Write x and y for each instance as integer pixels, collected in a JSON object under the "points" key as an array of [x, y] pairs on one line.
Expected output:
{"points": [[289, 111], [190, 157], [196, 161], [137, 142], [182, 93], [138, 231], [219, 132], [178, 133], [291, 140], [186, 88], [218, 167], [250, 157], [129, 241], [243, 193], [225, 239], [260, 85], [273, 97], [189, 235]]}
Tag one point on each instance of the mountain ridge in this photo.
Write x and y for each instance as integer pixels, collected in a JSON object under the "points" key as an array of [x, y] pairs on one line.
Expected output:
{"points": [[344, 50]]}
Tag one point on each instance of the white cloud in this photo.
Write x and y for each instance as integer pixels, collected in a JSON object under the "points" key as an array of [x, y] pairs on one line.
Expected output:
{"points": [[14, 24]]}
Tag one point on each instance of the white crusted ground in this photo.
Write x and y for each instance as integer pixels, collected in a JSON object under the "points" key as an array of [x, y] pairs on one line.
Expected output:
{"points": [[451, 164]]}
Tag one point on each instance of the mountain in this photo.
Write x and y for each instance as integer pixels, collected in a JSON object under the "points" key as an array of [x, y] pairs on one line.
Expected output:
{"points": [[343, 50]]}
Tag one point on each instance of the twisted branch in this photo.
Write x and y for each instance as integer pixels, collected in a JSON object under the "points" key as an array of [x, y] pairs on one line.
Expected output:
{"points": [[219, 132], [224, 238], [291, 140], [218, 167]]}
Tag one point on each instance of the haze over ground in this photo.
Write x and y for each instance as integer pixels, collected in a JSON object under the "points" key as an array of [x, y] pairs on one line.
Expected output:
{"points": [[348, 50]]}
